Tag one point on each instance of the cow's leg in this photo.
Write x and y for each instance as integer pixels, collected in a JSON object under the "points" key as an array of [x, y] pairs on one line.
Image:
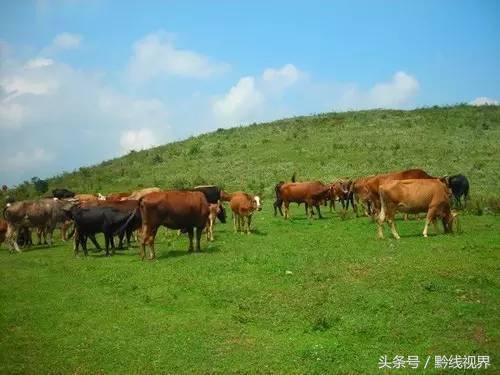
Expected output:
{"points": [[249, 221], [319, 211], [83, 242], [393, 227], [428, 219], [48, 233], [190, 234], [380, 223], [234, 222], [94, 241], [307, 209], [287, 210], [199, 230], [332, 204], [11, 237]]}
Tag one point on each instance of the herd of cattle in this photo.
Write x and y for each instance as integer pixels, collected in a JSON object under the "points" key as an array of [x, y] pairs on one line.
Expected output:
{"points": [[191, 211]]}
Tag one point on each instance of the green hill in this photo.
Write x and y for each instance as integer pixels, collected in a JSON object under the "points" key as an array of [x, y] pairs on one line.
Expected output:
{"points": [[460, 139]]}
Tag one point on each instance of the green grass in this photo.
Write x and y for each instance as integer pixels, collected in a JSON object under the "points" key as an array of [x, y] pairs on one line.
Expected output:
{"points": [[295, 296], [349, 299]]}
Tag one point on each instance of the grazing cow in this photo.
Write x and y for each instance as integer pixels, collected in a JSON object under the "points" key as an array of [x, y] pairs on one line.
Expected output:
{"points": [[86, 197], [341, 190], [310, 192], [97, 219], [117, 196], [44, 215], [3, 230], [138, 194], [414, 196], [459, 185], [62, 193], [243, 205], [175, 209], [214, 209], [367, 189]]}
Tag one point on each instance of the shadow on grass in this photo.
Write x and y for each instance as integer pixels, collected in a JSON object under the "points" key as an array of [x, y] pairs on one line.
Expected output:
{"points": [[180, 253]]}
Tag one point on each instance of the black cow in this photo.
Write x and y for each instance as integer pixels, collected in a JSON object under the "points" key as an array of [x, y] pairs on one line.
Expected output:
{"points": [[213, 193], [106, 220], [459, 185], [62, 193]]}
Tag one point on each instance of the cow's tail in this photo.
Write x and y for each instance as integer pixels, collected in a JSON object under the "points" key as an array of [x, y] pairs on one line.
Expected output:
{"points": [[294, 176], [4, 210], [134, 214]]}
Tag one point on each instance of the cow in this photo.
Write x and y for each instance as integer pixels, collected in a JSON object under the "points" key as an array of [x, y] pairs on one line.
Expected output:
{"points": [[341, 190], [213, 195], [117, 196], [214, 211], [138, 194], [44, 214], [310, 192], [86, 197], [175, 209], [367, 188], [62, 193], [414, 196], [3, 230], [126, 206], [243, 206], [100, 219], [459, 185]]}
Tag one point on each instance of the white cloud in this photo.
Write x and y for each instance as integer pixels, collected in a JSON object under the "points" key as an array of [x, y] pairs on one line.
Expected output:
{"points": [[397, 93], [137, 139], [38, 63], [242, 102], [482, 100], [11, 115], [281, 78], [67, 41], [26, 160], [155, 55], [256, 99]]}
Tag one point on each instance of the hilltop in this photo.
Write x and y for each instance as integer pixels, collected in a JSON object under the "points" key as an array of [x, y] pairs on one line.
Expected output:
{"points": [[441, 140]]}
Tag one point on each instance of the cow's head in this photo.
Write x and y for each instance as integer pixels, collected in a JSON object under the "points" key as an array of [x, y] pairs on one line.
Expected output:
{"points": [[257, 203], [221, 213], [448, 221]]}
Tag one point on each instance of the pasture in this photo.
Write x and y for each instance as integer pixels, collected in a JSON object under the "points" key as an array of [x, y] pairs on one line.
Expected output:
{"points": [[298, 296]]}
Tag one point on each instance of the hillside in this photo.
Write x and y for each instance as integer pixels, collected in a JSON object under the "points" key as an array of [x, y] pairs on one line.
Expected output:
{"points": [[460, 139]]}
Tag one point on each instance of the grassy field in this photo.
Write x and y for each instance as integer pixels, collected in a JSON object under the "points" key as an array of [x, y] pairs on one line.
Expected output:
{"points": [[298, 296]]}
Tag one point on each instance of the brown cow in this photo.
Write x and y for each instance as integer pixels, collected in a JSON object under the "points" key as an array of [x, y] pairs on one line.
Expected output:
{"points": [[185, 210], [3, 230], [214, 211], [117, 196], [367, 188], [138, 194], [414, 196], [310, 192], [243, 205], [86, 197], [341, 190]]}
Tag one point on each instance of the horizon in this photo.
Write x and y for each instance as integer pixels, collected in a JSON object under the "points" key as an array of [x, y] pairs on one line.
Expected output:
{"points": [[84, 82]]}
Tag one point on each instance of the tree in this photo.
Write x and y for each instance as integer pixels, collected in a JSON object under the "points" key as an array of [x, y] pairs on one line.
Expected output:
{"points": [[41, 186]]}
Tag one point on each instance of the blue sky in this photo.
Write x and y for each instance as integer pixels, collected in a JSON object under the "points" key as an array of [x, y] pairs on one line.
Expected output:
{"points": [[82, 81]]}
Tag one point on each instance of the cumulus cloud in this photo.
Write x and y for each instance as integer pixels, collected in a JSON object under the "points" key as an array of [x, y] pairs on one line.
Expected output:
{"points": [[137, 139], [281, 78], [155, 55], [67, 41], [26, 159], [396, 93], [243, 101], [71, 112], [482, 100], [255, 98]]}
